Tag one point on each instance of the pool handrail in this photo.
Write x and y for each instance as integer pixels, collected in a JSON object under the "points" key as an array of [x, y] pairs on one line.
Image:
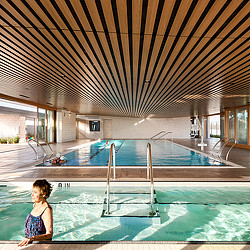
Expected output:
{"points": [[219, 152], [150, 166], [111, 153], [40, 146], [47, 144], [214, 147], [163, 131], [169, 132], [234, 141]]}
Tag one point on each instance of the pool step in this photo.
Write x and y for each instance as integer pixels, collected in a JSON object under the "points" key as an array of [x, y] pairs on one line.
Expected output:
{"points": [[127, 211], [131, 204], [131, 198], [137, 191]]}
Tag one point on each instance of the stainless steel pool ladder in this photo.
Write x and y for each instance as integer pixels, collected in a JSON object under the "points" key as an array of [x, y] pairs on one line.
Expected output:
{"points": [[219, 152], [111, 153], [149, 174], [42, 148]]}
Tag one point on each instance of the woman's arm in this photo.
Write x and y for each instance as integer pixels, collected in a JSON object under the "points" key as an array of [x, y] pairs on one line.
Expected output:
{"points": [[48, 222]]}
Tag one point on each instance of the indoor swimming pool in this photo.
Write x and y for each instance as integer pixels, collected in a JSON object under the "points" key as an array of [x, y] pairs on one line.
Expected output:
{"points": [[186, 212], [134, 153]]}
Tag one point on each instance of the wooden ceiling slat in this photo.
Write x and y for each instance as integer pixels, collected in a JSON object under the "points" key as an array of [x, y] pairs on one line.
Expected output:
{"points": [[78, 9], [39, 82], [199, 64], [192, 87], [117, 56], [108, 39], [71, 85], [125, 45], [196, 91], [182, 88], [185, 7], [191, 52], [169, 7], [92, 9], [120, 49], [136, 16], [114, 78]]}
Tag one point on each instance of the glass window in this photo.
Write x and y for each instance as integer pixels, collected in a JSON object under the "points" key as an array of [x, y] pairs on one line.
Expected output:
{"points": [[222, 126], [42, 124], [214, 126], [50, 117], [241, 125], [231, 118]]}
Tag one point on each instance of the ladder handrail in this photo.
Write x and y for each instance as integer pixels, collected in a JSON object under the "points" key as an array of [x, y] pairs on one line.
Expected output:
{"points": [[234, 142], [219, 153], [38, 144], [221, 140], [149, 164], [163, 131], [169, 132], [111, 153], [49, 148]]}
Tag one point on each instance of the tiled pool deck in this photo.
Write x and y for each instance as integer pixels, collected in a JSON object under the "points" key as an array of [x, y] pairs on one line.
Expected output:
{"points": [[129, 246], [17, 164]]}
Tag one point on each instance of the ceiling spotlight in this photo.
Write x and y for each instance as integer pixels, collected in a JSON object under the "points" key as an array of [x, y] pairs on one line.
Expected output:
{"points": [[24, 96], [147, 81], [49, 103]]}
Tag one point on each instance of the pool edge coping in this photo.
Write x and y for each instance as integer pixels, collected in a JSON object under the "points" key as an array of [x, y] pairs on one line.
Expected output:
{"points": [[134, 242]]}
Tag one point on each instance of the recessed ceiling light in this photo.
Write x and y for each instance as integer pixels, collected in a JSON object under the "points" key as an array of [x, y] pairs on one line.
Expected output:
{"points": [[147, 81], [24, 96], [49, 103]]}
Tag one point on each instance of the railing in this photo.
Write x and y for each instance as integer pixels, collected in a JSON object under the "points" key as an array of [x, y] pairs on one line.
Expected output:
{"points": [[150, 174], [41, 147], [166, 134], [219, 152], [214, 147], [163, 131], [112, 153], [231, 140]]}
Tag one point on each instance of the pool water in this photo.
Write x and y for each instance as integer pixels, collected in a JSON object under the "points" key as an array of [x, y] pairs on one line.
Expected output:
{"points": [[186, 213], [134, 153]]}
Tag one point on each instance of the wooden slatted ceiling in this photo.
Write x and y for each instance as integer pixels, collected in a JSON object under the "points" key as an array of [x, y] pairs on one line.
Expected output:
{"points": [[127, 57]]}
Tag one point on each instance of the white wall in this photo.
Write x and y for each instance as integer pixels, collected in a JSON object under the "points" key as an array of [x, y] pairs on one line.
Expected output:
{"points": [[66, 126], [12, 125], [136, 128]]}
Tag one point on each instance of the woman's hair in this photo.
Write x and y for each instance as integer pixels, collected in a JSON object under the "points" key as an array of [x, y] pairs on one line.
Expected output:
{"points": [[44, 186]]}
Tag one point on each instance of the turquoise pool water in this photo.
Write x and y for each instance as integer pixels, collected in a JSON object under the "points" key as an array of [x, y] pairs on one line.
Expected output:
{"points": [[186, 213], [134, 153]]}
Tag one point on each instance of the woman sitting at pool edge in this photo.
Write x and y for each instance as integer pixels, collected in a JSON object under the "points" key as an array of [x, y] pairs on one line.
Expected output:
{"points": [[39, 223]]}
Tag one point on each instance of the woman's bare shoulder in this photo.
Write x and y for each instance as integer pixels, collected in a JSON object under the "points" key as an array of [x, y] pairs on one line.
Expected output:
{"points": [[48, 207]]}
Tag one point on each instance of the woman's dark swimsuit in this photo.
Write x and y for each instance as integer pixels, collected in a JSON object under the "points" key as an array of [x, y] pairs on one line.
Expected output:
{"points": [[34, 225]]}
